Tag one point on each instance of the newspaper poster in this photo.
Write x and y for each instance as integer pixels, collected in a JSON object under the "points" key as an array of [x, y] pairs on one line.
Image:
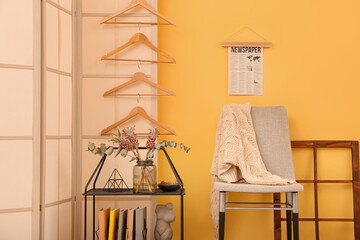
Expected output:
{"points": [[245, 71]]}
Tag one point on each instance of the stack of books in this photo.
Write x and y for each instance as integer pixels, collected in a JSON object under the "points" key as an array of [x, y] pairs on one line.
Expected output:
{"points": [[125, 224]]}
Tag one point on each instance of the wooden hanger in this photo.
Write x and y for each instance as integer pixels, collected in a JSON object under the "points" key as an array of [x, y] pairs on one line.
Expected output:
{"points": [[133, 4], [134, 112], [141, 38], [138, 77]]}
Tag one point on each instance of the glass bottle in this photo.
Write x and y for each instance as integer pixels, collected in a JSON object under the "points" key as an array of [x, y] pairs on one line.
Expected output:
{"points": [[144, 176]]}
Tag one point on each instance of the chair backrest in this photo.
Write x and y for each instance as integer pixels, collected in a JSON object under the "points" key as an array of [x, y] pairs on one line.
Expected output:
{"points": [[273, 138]]}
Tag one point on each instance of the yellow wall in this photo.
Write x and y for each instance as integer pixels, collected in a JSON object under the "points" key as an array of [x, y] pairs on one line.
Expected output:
{"points": [[312, 69]]}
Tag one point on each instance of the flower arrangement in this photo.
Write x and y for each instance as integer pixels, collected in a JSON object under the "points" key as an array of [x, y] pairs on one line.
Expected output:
{"points": [[127, 144]]}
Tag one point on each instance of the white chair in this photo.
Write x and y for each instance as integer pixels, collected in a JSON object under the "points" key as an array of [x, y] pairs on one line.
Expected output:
{"points": [[272, 135]]}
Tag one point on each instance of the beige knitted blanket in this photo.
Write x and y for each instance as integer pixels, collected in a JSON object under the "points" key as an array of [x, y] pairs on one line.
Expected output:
{"points": [[237, 156]]}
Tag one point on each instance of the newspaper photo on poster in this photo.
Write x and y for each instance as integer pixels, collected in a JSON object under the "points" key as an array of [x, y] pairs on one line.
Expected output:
{"points": [[245, 71]]}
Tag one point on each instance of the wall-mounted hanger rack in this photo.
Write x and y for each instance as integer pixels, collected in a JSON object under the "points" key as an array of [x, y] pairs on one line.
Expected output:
{"points": [[133, 4], [138, 77], [138, 38], [133, 113]]}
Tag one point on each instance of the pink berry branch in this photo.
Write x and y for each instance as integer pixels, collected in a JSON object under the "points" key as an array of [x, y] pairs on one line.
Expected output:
{"points": [[151, 142], [127, 142]]}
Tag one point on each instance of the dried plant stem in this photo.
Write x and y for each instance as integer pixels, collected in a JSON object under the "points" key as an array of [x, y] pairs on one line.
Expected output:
{"points": [[143, 175], [137, 156], [148, 183], [141, 178], [137, 150]]}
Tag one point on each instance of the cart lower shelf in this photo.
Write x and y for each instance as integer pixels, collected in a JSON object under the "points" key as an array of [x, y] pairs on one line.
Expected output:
{"points": [[92, 193]]}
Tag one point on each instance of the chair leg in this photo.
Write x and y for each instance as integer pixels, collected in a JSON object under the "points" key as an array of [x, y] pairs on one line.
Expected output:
{"points": [[295, 215], [222, 216], [288, 217], [288, 224]]}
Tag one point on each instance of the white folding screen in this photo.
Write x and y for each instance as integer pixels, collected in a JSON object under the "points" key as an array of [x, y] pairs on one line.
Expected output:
{"points": [[95, 112], [58, 120], [20, 68], [37, 97]]}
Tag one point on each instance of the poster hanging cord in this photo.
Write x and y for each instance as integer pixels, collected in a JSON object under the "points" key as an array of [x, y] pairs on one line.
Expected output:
{"points": [[246, 28]]}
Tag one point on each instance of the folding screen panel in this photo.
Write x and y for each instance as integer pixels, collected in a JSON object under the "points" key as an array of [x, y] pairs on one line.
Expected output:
{"points": [[37, 139], [58, 151], [96, 112], [20, 121]]}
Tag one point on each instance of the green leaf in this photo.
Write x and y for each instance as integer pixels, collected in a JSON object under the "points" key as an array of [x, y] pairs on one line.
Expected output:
{"points": [[188, 150], [181, 145], [109, 151], [102, 148], [124, 152], [91, 146], [96, 151], [150, 155]]}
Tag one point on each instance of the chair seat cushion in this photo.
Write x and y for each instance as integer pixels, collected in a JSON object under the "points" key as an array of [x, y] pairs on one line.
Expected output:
{"points": [[254, 188]]}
